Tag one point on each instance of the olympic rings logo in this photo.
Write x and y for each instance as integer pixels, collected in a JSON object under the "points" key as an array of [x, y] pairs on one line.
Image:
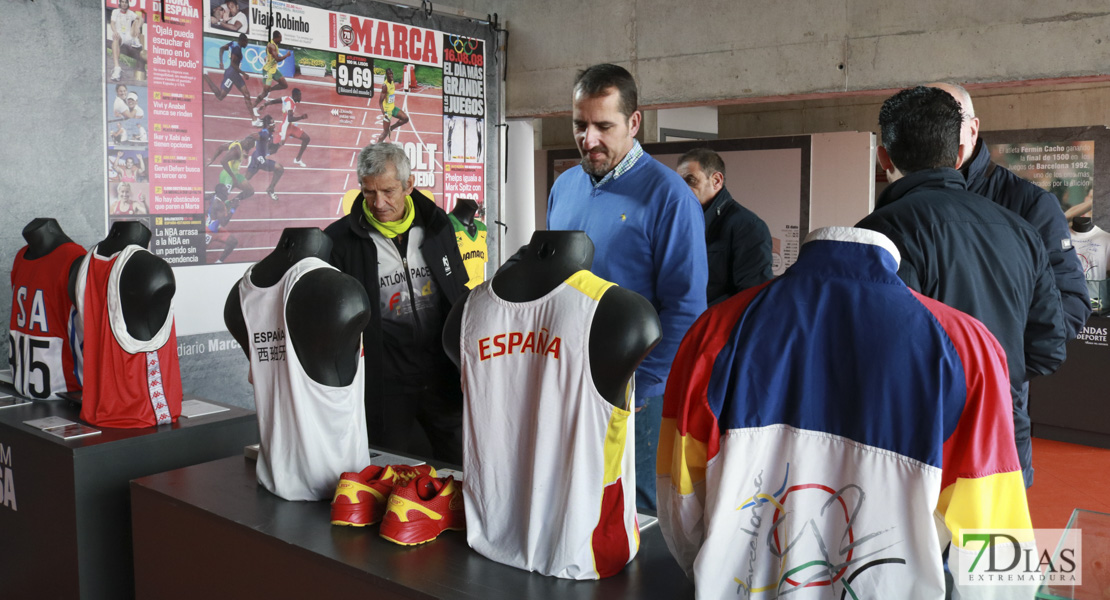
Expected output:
{"points": [[463, 45], [254, 57]]}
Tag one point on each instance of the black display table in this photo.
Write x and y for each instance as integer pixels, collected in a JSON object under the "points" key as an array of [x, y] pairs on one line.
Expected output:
{"points": [[65, 520], [1073, 404], [210, 531]]}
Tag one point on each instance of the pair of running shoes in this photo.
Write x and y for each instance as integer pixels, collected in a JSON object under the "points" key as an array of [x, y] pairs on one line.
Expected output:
{"points": [[413, 505]]}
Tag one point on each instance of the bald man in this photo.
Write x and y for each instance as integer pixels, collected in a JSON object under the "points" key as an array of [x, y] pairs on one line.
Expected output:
{"points": [[1042, 210]]}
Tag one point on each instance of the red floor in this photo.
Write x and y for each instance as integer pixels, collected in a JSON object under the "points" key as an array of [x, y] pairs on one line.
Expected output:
{"points": [[1068, 476]]}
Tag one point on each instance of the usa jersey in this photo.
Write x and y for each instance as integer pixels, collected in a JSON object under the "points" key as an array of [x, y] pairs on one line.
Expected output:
{"points": [[827, 434], [128, 383], [40, 338], [473, 250], [310, 432], [548, 462]]}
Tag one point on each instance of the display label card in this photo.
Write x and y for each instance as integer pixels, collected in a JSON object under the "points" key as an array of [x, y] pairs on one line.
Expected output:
{"points": [[8, 401], [645, 521], [198, 408], [71, 431], [48, 422]]}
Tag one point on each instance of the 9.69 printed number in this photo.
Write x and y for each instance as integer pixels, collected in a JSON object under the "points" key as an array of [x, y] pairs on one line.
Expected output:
{"points": [[355, 76]]}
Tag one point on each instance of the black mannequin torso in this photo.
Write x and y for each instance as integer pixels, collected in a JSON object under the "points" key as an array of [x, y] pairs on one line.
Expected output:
{"points": [[326, 311], [43, 236], [464, 211], [625, 326], [146, 285], [1082, 224]]}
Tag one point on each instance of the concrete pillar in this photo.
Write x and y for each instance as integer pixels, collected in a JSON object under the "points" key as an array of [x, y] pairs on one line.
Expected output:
{"points": [[519, 190]]}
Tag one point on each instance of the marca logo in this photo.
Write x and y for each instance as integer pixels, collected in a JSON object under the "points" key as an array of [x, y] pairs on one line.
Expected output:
{"points": [[1020, 557], [390, 40]]}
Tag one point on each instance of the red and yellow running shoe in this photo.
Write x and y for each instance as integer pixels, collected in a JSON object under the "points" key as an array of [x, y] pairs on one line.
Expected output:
{"points": [[360, 498], [421, 509]]}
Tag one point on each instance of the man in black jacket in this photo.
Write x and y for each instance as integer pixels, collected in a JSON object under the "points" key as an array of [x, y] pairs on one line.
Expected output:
{"points": [[737, 241], [962, 249], [1035, 204], [401, 246]]}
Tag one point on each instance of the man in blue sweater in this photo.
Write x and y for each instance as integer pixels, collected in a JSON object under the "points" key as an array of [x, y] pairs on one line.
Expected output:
{"points": [[648, 232]]}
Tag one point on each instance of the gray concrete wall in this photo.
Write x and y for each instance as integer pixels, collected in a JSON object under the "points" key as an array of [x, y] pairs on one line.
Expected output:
{"points": [[719, 51], [1074, 105], [52, 153]]}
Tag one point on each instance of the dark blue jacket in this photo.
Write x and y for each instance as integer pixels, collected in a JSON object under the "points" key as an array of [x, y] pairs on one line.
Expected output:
{"points": [[975, 256], [738, 245], [1042, 210]]}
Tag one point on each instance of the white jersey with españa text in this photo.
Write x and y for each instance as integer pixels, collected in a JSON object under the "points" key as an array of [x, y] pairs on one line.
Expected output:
{"points": [[310, 432], [548, 462]]}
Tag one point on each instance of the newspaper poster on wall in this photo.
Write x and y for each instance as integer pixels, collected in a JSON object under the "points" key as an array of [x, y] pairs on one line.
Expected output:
{"points": [[228, 121]]}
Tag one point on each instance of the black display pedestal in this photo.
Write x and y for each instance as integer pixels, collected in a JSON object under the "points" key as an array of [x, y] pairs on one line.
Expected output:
{"points": [[65, 522], [230, 538], [1073, 404]]}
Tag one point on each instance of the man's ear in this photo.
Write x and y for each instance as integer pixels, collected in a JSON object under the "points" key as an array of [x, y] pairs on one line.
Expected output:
{"points": [[717, 180], [634, 123], [884, 160]]}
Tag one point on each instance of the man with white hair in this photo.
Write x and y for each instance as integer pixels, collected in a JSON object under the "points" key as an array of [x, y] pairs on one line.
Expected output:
{"points": [[402, 248], [1042, 210]]}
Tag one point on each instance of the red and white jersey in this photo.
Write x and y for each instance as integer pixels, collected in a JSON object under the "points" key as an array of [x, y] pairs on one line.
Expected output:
{"points": [[40, 339], [310, 432], [127, 382], [549, 474], [288, 107]]}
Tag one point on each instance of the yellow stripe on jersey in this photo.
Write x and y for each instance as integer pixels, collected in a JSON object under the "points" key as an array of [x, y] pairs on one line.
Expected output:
{"points": [[589, 284], [389, 92], [686, 461], [271, 65], [235, 163], [616, 435], [992, 502]]}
